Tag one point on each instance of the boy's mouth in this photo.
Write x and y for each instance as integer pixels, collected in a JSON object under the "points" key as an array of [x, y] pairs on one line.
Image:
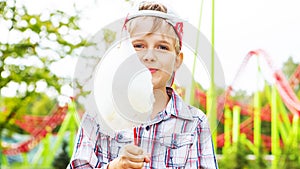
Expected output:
{"points": [[152, 70]]}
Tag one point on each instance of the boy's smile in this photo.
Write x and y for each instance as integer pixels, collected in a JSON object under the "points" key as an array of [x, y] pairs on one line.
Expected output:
{"points": [[152, 70]]}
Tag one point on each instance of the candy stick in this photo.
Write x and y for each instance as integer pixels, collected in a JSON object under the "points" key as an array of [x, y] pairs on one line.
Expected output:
{"points": [[135, 136]]}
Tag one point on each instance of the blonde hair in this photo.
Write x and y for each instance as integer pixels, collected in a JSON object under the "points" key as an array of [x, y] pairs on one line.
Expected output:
{"points": [[157, 23]]}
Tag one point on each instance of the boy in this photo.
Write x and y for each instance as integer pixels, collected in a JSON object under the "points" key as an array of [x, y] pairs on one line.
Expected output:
{"points": [[178, 135]]}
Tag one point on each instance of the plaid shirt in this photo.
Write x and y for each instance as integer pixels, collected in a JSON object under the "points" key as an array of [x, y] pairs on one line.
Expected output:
{"points": [[178, 137]]}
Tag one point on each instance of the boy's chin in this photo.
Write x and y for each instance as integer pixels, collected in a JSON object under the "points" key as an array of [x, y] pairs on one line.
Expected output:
{"points": [[158, 86]]}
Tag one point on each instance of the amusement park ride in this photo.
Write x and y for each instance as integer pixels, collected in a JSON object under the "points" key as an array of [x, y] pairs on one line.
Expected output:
{"points": [[285, 89], [40, 130], [285, 122]]}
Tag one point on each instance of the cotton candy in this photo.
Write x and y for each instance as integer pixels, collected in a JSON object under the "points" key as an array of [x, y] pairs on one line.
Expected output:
{"points": [[123, 89]]}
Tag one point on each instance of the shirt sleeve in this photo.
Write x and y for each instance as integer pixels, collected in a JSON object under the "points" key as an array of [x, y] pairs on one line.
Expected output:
{"points": [[85, 149], [202, 153]]}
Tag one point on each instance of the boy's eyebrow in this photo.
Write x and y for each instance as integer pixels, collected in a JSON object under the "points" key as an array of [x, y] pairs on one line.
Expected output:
{"points": [[164, 41], [160, 41], [138, 40]]}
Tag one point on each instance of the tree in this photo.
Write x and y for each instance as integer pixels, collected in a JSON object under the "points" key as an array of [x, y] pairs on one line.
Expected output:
{"points": [[62, 159], [289, 67], [34, 42]]}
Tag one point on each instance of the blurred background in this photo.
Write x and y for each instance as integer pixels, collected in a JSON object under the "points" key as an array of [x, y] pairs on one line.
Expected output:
{"points": [[254, 118]]}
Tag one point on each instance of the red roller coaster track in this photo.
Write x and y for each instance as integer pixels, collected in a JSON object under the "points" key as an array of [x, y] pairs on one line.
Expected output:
{"points": [[38, 127], [284, 87]]}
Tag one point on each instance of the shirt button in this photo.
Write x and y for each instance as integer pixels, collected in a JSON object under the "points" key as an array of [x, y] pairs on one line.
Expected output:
{"points": [[148, 128], [120, 136]]}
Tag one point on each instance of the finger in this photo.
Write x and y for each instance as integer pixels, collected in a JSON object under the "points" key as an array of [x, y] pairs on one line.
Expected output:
{"points": [[126, 163], [147, 159], [135, 165], [132, 149], [134, 158]]}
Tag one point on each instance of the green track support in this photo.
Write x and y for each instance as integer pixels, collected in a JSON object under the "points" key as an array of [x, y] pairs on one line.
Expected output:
{"points": [[257, 122], [284, 115], [211, 106], [40, 159], [25, 159], [48, 151], [193, 86], [3, 160], [284, 122], [275, 149], [236, 124], [248, 143], [227, 128], [70, 123], [296, 129], [212, 114]]}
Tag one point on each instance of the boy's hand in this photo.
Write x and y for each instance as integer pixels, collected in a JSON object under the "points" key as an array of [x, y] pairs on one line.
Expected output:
{"points": [[131, 156]]}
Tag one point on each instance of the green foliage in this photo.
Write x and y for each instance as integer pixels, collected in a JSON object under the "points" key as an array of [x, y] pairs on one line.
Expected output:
{"points": [[63, 159], [109, 36], [234, 157], [35, 104], [290, 157], [36, 41], [259, 162], [289, 67]]}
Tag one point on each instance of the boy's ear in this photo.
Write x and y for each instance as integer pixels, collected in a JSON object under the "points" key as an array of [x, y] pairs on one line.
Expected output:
{"points": [[178, 61]]}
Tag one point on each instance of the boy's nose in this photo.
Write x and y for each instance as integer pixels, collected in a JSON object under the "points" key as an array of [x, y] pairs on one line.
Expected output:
{"points": [[149, 56]]}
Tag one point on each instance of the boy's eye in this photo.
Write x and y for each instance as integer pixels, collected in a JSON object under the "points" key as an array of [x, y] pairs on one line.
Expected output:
{"points": [[163, 47], [138, 46]]}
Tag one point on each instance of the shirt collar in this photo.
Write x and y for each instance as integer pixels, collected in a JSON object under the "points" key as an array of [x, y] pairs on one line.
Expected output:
{"points": [[175, 107]]}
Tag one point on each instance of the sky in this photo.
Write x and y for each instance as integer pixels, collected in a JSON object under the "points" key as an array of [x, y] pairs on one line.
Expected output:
{"points": [[240, 26]]}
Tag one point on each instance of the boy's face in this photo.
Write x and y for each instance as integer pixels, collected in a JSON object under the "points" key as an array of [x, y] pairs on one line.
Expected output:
{"points": [[156, 50]]}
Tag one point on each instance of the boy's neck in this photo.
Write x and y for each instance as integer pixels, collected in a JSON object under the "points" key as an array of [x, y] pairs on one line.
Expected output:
{"points": [[161, 101]]}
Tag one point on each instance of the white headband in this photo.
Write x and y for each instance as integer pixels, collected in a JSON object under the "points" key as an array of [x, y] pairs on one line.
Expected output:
{"points": [[169, 17]]}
